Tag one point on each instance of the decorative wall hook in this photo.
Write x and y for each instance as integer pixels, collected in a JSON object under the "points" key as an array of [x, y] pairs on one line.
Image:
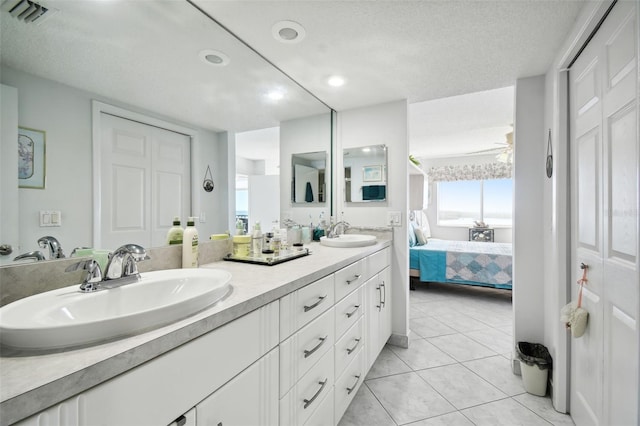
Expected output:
{"points": [[549, 156], [207, 183]]}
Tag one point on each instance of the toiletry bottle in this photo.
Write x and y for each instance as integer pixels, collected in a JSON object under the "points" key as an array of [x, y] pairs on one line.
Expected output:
{"points": [[175, 234], [256, 240], [190, 245]]}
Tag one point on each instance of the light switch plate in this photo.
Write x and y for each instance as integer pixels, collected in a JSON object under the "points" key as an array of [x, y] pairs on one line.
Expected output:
{"points": [[394, 218], [49, 218]]}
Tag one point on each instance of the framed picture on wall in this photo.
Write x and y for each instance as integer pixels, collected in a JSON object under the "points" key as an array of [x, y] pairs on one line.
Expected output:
{"points": [[372, 173], [31, 158]]}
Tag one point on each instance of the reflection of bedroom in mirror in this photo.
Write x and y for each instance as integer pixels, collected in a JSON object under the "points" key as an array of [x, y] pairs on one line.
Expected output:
{"points": [[308, 182], [365, 170]]}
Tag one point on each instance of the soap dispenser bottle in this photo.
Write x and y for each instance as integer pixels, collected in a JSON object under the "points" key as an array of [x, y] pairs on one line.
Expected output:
{"points": [[176, 233], [190, 245], [256, 240]]}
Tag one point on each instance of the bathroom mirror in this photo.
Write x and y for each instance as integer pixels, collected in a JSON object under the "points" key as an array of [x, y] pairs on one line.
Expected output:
{"points": [[135, 56], [365, 174], [309, 182]]}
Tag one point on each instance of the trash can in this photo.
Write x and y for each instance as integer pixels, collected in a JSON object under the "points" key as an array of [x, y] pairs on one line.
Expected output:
{"points": [[535, 363]]}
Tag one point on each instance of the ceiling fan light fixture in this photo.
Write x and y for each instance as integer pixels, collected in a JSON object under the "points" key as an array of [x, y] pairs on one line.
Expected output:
{"points": [[288, 32]]}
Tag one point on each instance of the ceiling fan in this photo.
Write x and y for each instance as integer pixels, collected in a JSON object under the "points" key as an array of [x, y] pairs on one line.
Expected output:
{"points": [[504, 152]]}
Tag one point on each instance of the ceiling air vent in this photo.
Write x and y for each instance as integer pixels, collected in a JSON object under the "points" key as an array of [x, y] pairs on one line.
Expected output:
{"points": [[28, 11]]}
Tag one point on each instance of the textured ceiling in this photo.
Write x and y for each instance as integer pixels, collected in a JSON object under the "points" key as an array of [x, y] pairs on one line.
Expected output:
{"points": [[415, 50], [145, 53]]}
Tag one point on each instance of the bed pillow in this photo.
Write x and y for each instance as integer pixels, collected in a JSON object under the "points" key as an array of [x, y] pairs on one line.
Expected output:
{"points": [[426, 229], [412, 236], [420, 237]]}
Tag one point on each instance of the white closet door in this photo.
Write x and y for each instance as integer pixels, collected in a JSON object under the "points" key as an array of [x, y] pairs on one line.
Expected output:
{"points": [[605, 150], [145, 173]]}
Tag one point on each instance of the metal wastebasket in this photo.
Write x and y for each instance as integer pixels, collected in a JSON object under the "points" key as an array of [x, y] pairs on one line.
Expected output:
{"points": [[535, 363]]}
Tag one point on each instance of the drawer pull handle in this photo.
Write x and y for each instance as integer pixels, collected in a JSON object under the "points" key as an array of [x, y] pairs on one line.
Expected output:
{"points": [[310, 352], [320, 299], [352, 313], [356, 277], [379, 288], [349, 350], [349, 390], [308, 402], [384, 288]]}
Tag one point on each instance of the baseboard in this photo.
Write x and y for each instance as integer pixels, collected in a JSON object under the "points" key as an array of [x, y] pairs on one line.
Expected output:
{"points": [[399, 340]]}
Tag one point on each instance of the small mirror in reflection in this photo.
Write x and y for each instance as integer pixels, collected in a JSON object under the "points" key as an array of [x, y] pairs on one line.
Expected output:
{"points": [[308, 183], [365, 174]]}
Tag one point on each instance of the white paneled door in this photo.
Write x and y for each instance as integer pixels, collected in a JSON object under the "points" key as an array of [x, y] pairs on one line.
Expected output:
{"points": [[605, 175], [145, 182]]}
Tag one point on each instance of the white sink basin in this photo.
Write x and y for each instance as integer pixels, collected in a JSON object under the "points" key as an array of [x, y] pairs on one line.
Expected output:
{"points": [[348, 240], [66, 317]]}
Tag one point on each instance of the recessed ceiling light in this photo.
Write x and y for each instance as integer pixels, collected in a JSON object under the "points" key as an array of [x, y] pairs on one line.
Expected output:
{"points": [[336, 81], [214, 57], [366, 149], [275, 95], [288, 32]]}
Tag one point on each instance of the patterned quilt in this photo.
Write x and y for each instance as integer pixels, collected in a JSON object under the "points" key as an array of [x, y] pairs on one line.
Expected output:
{"points": [[464, 262]]}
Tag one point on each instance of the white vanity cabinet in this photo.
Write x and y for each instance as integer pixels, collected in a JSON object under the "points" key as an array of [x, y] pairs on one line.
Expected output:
{"points": [[296, 361], [164, 388]]}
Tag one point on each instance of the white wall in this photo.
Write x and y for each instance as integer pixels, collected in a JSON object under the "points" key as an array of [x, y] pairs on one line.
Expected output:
{"points": [[529, 173], [64, 113], [309, 134], [377, 125], [501, 235]]}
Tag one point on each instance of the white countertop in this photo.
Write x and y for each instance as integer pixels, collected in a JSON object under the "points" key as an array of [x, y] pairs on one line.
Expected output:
{"points": [[31, 383]]}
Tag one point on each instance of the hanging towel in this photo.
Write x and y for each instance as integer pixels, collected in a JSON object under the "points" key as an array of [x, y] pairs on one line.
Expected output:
{"points": [[308, 195]]}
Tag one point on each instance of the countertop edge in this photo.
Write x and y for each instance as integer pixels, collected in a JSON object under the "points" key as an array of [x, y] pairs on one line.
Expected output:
{"points": [[39, 398]]}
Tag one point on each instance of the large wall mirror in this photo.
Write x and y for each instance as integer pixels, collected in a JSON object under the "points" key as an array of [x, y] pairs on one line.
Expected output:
{"points": [[365, 174], [166, 60]]}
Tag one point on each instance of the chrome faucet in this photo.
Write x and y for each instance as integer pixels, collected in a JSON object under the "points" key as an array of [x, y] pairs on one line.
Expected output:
{"points": [[55, 249], [36, 255], [123, 263], [121, 269], [338, 228]]}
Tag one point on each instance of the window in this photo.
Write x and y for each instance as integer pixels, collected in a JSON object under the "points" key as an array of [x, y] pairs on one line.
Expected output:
{"points": [[460, 203]]}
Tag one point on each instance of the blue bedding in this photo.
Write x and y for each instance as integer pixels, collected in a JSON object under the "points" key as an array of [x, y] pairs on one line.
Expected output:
{"points": [[464, 262]]}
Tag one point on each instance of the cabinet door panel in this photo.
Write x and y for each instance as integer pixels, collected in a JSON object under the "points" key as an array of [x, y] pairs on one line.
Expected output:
{"points": [[251, 398]]}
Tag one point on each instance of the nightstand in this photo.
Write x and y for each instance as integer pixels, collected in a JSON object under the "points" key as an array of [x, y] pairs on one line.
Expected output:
{"points": [[481, 234]]}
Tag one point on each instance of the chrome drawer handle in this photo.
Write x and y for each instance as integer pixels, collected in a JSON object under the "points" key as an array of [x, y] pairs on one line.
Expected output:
{"points": [[308, 402], [379, 288], [310, 352], [384, 288], [355, 309], [356, 277], [349, 350], [320, 299], [349, 390]]}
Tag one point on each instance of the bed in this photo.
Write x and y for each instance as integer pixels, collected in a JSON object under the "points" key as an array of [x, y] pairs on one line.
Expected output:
{"points": [[462, 262]]}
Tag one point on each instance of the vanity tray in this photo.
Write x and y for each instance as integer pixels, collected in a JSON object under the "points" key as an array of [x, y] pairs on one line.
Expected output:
{"points": [[269, 259]]}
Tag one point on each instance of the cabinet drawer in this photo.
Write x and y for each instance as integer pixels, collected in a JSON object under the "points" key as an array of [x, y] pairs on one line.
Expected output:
{"points": [[348, 311], [304, 398], [303, 305], [348, 384], [377, 261], [349, 278], [302, 350], [349, 345]]}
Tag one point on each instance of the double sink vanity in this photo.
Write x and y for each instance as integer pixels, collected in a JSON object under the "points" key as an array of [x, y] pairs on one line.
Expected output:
{"points": [[284, 345]]}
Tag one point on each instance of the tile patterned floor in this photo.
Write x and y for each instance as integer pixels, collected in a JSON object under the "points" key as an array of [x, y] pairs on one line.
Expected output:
{"points": [[456, 371]]}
